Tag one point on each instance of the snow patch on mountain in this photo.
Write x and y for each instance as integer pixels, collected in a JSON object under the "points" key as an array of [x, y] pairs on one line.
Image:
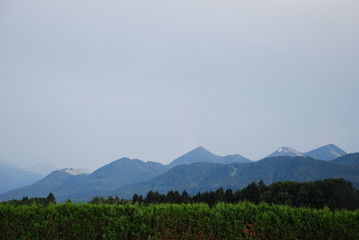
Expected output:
{"points": [[73, 172], [286, 151], [289, 150]]}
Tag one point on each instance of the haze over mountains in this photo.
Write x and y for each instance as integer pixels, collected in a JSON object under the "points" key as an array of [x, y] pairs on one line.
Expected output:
{"points": [[197, 170], [51, 183], [12, 177], [43, 168]]}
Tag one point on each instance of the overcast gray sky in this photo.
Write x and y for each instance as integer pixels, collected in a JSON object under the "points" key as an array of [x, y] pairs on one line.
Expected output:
{"points": [[83, 83]]}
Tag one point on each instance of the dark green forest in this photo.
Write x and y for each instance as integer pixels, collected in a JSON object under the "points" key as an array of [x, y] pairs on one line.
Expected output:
{"points": [[332, 193]]}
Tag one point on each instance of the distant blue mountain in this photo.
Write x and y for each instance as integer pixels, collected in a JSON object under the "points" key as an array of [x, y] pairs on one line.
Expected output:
{"points": [[51, 183], [200, 154], [327, 152], [104, 180], [118, 173], [12, 177]]}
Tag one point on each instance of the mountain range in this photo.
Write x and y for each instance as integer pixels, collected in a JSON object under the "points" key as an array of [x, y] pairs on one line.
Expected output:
{"points": [[326, 153], [210, 176], [66, 184], [197, 170]]}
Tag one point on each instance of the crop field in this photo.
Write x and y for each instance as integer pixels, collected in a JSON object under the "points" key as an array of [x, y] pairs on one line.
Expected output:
{"points": [[175, 221]]}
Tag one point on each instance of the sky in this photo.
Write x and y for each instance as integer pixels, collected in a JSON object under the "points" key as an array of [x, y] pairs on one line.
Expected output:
{"points": [[83, 83]]}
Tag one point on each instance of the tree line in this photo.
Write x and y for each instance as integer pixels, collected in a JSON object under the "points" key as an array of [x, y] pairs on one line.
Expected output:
{"points": [[332, 193], [29, 201]]}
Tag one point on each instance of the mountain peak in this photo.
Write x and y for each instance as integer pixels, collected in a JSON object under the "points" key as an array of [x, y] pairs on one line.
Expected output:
{"points": [[288, 150], [326, 152], [123, 159], [199, 149], [200, 154], [285, 151]]}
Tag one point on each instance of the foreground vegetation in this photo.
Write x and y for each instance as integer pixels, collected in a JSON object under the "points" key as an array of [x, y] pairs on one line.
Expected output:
{"points": [[175, 221], [282, 210]]}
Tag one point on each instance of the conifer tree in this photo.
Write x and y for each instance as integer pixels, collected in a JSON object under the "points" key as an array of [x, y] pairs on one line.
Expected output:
{"points": [[51, 198]]}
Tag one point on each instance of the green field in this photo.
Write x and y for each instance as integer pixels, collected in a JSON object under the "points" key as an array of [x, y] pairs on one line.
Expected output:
{"points": [[175, 221]]}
